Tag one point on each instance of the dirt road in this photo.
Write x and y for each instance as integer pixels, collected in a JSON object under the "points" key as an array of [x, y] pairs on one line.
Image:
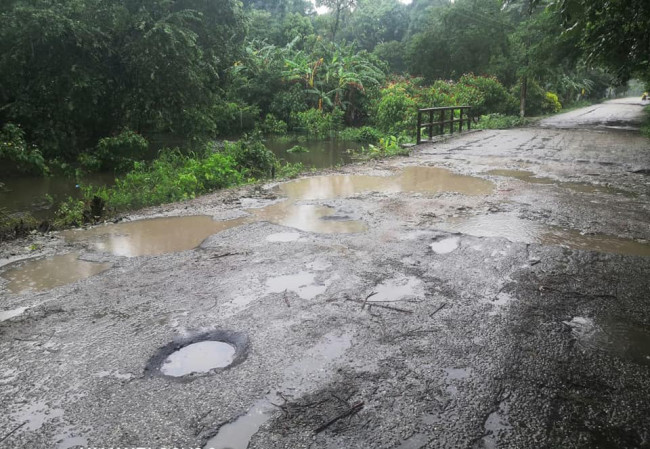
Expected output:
{"points": [[488, 291]]}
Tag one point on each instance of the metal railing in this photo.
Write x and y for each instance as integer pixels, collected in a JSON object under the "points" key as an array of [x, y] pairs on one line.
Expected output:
{"points": [[439, 125]]}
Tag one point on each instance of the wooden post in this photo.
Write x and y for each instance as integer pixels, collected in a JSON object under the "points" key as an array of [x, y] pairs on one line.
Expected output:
{"points": [[451, 121], [430, 125], [419, 130], [460, 122], [441, 126]]}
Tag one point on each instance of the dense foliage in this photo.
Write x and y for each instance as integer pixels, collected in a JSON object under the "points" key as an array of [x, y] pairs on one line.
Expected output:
{"points": [[88, 84]]}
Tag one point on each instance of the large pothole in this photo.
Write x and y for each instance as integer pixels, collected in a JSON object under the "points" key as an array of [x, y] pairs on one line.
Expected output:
{"points": [[199, 355]]}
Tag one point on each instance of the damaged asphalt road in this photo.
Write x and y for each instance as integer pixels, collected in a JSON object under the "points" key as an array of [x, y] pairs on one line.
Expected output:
{"points": [[393, 316]]}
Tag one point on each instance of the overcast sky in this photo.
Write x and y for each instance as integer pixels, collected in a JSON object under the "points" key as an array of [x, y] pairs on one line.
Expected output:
{"points": [[323, 9]]}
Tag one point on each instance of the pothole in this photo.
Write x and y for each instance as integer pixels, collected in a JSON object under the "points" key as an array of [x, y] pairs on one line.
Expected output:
{"points": [[410, 179], [526, 231], [152, 236], [582, 187], [200, 355], [50, 272], [445, 246]]}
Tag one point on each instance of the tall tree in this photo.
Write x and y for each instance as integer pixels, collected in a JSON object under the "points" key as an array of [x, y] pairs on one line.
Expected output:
{"points": [[338, 10]]}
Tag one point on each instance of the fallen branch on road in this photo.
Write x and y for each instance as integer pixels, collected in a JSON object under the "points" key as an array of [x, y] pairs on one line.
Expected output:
{"points": [[356, 408]]}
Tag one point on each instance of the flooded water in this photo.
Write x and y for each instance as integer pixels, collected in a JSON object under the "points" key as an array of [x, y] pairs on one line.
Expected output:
{"points": [[308, 218], [526, 231], [496, 422], [41, 195], [199, 357], [410, 179], [321, 154], [582, 187], [152, 236], [299, 378], [622, 339], [397, 289], [50, 272]]}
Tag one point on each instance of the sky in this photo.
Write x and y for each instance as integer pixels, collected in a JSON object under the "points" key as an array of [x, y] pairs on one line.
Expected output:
{"points": [[323, 9]]}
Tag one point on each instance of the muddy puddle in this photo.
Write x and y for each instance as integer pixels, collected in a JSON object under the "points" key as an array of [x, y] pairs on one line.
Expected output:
{"points": [[526, 231], [152, 236], [50, 272], [582, 187], [310, 218], [9, 314], [303, 284], [410, 179], [396, 289], [618, 338], [300, 377], [200, 357]]}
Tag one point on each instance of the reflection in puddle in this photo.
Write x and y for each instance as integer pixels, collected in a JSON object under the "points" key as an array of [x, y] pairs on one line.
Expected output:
{"points": [[411, 179], [622, 339], [9, 314], [308, 218], [526, 231], [445, 246], [396, 289], [283, 237], [51, 272], [152, 236], [582, 187], [198, 357], [301, 376], [303, 284], [35, 415], [496, 422]]}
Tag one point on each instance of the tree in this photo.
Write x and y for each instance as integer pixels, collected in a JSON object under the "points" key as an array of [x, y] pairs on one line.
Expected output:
{"points": [[338, 9]]}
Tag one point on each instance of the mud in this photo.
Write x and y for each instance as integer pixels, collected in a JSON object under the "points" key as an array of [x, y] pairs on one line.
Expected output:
{"points": [[50, 272], [509, 315]]}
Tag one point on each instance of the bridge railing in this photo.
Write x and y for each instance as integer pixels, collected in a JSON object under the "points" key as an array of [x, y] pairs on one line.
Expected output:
{"points": [[440, 115]]}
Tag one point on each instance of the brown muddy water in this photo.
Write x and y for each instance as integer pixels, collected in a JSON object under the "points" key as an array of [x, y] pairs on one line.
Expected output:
{"points": [[152, 236], [410, 179], [582, 187], [50, 272], [525, 231], [321, 154]]}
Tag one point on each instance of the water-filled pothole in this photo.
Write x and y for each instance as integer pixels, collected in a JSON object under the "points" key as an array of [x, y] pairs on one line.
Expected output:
{"points": [[410, 179], [526, 231], [582, 187], [50, 272], [620, 338], [152, 236], [199, 355]]}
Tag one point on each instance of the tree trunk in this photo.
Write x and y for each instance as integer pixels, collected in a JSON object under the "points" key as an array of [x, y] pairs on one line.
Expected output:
{"points": [[522, 96]]}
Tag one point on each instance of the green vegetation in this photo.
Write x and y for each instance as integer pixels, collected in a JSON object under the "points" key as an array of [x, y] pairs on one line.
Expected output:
{"points": [[87, 84]]}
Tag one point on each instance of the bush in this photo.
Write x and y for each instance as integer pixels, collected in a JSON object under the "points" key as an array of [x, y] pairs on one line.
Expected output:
{"points": [[272, 125], [16, 156], [365, 134], [501, 121], [552, 104], [387, 147], [118, 152], [318, 123], [493, 97], [396, 111], [252, 158]]}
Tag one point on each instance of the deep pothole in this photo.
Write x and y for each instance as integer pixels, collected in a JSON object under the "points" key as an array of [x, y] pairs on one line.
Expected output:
{"points": [[199, 355]]}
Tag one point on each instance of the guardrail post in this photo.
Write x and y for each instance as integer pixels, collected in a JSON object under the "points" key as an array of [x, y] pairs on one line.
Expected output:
{"points": [[419, 130]]}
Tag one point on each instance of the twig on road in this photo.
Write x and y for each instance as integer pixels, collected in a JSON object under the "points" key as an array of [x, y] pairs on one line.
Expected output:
{"points": [[350, 412], [444, 304], [367, 298], [12, 432]]}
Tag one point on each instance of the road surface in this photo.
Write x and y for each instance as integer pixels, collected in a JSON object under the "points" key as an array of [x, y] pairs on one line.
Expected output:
{"points": [[489, 291]]}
